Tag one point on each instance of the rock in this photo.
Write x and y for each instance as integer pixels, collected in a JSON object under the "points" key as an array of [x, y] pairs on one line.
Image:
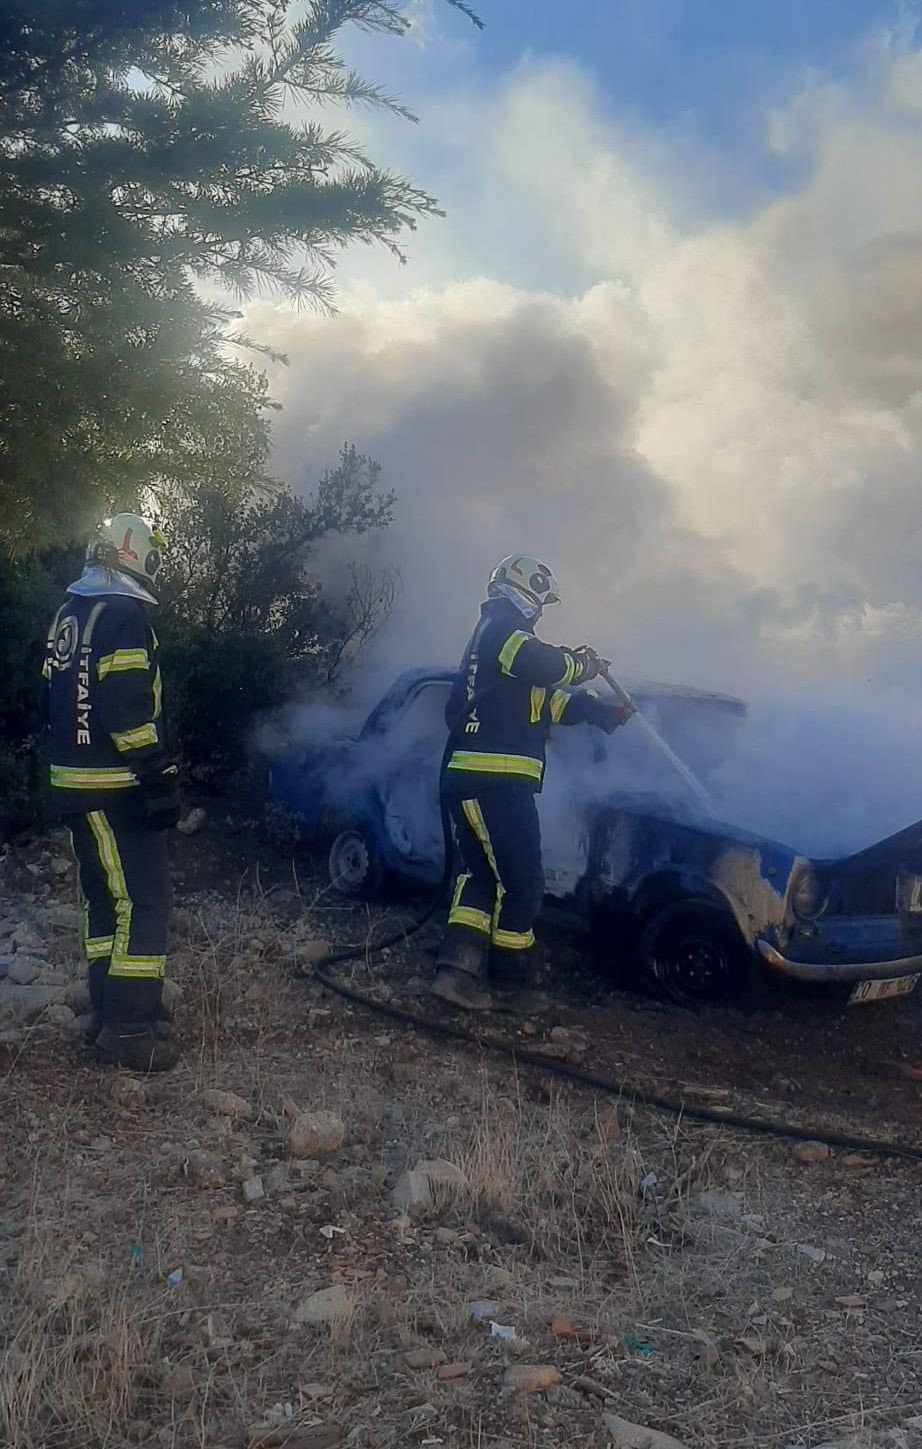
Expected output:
{"points": [[450, 1371], [192, 822], [252, 1189], [562, 1327], [782, 1295], [756, 1346], [26, 939], [25, 1003], [813, 1255], [622, 1434], [205, 1169], [718, 1202], [5, 964], [327, 1305], [811, 1152], [228, 1104], [411, 1193], [129, 1092], [312, 950], [446, 1236], [531, 1378], [315, 1134], [171, 995], [423, 1358], [77, 997], [24, 970], [441, 1173], [60, 1015], [851, 1302]]}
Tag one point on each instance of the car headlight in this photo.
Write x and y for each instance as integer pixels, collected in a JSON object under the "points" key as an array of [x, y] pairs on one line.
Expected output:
{"points": [[808, 896]]}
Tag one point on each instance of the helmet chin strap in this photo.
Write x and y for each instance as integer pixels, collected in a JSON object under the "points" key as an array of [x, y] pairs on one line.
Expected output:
{"points": [[525, 606]]}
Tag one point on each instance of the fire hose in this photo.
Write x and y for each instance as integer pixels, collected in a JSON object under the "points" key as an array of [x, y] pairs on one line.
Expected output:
{"points": [[619, 1088]]}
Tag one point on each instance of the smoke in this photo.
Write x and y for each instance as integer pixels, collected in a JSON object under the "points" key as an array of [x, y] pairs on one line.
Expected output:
{"points": [[714, 433]]}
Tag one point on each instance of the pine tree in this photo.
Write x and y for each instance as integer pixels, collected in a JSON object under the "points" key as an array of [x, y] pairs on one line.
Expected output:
{"points": [[148, 147]]}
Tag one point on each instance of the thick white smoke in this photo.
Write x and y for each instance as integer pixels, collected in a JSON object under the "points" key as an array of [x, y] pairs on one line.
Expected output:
{"points": [[715, 440]]}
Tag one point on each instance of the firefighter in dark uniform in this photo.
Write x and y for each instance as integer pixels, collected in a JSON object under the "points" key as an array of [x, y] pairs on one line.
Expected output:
{"points": [[113, 785], [510, 691]]}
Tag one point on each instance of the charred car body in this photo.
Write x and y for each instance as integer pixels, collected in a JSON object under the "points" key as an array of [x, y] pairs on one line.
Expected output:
{"points": [[708, 910]]}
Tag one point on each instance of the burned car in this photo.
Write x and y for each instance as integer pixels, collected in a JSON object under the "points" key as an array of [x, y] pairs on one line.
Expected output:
{"points": [[709, 911]]}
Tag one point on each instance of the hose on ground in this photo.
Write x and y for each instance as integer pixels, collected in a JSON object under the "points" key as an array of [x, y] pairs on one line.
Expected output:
{"points": [[618, 1088]]}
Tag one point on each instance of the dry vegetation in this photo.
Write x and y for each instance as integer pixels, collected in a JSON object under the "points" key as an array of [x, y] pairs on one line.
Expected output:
{"points": [[652, 1270]]}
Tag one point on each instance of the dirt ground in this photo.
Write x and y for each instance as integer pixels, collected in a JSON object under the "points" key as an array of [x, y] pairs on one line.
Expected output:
{"points": [[502, 1258]]}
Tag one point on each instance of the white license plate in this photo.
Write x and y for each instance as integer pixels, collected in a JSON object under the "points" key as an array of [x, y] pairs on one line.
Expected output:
{"points": [[909, 893], [881, 990]]}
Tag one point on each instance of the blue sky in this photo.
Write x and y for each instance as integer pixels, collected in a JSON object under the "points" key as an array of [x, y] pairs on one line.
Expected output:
{"points": [[706, 71]]}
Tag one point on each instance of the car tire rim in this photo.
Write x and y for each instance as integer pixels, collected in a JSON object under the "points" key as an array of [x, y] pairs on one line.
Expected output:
{"points": [[350, 862], [695, 969]]}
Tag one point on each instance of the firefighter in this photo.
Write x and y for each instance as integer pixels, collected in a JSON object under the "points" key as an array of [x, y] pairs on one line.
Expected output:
{"points": [[510, 690], [113, 785]]}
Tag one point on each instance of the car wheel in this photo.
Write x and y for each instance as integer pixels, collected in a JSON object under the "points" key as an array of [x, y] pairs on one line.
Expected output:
{"points": [[694, 952], [354, 865]]}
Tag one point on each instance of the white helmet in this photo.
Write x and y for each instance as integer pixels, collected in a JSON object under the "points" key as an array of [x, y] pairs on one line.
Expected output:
{"points": [[130, 545], [526, 581]]}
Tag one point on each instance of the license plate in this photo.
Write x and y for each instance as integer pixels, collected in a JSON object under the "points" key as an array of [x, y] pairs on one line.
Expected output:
{"points": [[909, 894], [881, 990]]}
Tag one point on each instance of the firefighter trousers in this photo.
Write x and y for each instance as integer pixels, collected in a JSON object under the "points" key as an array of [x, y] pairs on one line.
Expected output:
{"points": [[499, 894], [125, 885]]}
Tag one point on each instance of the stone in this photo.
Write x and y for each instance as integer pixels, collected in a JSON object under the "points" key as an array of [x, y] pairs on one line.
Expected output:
{"points": [[60, 1015], [424, 1358], [851, 1302], [718, 1202], [25, 938], [442, 1173], [228, 1104], [446, 1236], [449, 1371], [24, 970], [315, 1134], [562, 1327], [77, 997], [813, 1255], [811, 1152], [129, 1092], [252, 1189], [531, 1378], [205, 1169], [192, 822], [412, 1194], [622, 1434], [327, 1305], [25, 1003], [171, 995]]}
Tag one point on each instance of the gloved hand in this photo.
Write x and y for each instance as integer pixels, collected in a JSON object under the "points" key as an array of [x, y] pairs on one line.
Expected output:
{"points": [[590, 663], [160, 803], [616, 715]]}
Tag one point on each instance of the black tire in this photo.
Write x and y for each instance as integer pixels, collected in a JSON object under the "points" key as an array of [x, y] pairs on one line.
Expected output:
{"points": [[694, 952], [354, 865]]}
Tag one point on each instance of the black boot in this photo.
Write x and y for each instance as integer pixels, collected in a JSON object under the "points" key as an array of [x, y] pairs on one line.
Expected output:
{"points": [[97, 973], [137, 1047], [461, 966]]}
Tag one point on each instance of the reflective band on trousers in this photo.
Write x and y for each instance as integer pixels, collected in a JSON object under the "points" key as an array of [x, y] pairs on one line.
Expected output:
{"points": [[102, 777], [522, 765], [510, 649], [513, 940], [111, 862]]}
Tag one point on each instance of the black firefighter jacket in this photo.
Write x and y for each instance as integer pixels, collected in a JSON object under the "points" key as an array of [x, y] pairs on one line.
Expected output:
{"points": [[103, 702], [510, 690]]}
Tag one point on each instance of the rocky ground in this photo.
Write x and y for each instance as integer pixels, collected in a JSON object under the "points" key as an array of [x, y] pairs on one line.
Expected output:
{"points": [[323, 1230]]}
